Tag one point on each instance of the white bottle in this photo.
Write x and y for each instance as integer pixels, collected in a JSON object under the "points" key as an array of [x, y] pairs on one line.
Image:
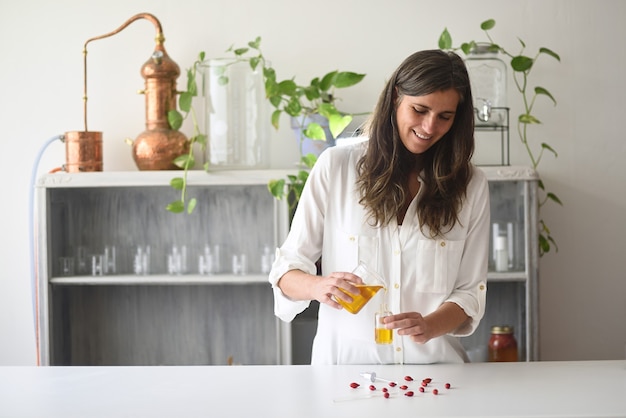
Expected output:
{"points": [[500, 246]]}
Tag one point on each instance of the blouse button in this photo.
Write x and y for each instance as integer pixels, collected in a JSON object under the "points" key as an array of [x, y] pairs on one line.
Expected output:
{"points": [[396, 252], [398, 349], [443, 243], [482, 287], [397, 286], [351, 238]]}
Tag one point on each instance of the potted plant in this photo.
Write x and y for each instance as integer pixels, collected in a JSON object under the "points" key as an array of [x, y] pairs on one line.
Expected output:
{"points": [[521, 65], [309, 106], [312, 108]]}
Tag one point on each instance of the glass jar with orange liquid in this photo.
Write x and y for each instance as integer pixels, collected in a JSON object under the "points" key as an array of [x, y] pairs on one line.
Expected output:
{"points": [[382, 335]]}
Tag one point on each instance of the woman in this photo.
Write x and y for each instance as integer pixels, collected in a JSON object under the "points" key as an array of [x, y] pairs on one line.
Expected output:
{"points": [[409, 204]]}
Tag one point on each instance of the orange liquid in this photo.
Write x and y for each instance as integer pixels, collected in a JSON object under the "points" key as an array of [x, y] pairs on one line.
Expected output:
{"points": [[366, 292], [383, 335]]}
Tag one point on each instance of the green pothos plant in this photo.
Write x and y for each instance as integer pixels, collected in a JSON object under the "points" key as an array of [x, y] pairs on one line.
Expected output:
{"points": [[300, 101], [186, 161], [522, 65]]}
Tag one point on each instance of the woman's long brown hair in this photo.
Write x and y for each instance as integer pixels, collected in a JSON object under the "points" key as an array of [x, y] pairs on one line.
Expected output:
{"points": [[445, 167]]}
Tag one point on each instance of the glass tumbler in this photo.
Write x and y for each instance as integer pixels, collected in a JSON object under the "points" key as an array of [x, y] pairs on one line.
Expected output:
{"points": [[372, 283]]}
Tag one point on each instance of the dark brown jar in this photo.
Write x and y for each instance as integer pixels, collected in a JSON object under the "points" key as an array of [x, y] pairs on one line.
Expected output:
{"points": [[502, 344]]}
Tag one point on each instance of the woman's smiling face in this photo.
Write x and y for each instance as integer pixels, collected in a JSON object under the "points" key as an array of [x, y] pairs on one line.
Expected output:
{"points": [[424, 120]]}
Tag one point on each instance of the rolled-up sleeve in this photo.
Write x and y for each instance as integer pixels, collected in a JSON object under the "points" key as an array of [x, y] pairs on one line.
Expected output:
{"points": [[303, 245]]}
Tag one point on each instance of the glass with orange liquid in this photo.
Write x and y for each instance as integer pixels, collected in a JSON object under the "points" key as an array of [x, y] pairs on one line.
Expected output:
{"points": [[372, 283], [382, 335]]}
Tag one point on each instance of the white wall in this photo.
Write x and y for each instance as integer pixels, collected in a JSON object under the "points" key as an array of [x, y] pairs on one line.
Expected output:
{"points": [[582, 287]]}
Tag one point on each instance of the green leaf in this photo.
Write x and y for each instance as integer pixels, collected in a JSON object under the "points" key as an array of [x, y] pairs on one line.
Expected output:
{"points": [[177, 206], [521, 63], [337, 124], [445, 40], [200, 139], [526, 118], [184, 101], [184, 161], [277, 188], [467, 47], [177, 183], [175, 119], [222, 80], [276, 118], [549, 148], [256, 44], [554, 198], [308, 160], [191, 205], [541, 90], [241, 51], [327, 81], [315, 131], [550, 52], [488, 24], [544, 244], [347, 79]]}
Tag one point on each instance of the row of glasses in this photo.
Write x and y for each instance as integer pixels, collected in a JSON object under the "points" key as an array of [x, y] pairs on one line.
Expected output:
{"points": [[143, 260]]}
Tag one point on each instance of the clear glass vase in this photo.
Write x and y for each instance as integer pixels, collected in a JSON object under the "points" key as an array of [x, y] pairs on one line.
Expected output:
{"points": [[236, 115], [487, 74]]}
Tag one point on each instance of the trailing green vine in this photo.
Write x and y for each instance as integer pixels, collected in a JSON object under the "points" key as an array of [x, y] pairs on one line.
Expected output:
{"points": [[186, 161], [521, 65]]}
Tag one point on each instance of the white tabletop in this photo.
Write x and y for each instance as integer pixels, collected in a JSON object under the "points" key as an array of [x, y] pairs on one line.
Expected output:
{"points": [[546, 389]]}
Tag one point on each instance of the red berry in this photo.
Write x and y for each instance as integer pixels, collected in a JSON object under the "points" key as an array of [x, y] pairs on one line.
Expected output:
{"points": [[404, 387], [372, 387], [386, 394], [447, 385], [408, 378], [424, 383], [385, 390], [421, 389], [392, 384], [354, 385], [428, 380], [435, 391], [408, 393]]}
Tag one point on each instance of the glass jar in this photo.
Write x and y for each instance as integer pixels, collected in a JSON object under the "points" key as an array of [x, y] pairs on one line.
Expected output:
{"points": [[237, 121], [487, 73], [382, 335], [502, 344]]}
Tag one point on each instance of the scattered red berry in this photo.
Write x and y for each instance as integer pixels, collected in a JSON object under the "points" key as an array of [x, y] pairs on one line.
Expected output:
{"points": [[421, 389], [372, 387], [408, 378], [404, 387], [386, 394], [447, 385], [427, 380], [354, 385], [435, 392], [408, 393], [385, 390], [392, 384], [424, 383]]}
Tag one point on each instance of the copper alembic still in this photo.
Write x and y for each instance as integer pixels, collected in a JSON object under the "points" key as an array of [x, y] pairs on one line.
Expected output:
{"points": [[157, 146]]}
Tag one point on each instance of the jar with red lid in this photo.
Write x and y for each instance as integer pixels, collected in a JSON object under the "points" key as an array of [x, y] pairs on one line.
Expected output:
{"points": [[502, 344]]}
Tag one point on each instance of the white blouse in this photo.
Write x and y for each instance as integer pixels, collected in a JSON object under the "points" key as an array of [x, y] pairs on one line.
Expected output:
{"points": [[421, 273]]}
